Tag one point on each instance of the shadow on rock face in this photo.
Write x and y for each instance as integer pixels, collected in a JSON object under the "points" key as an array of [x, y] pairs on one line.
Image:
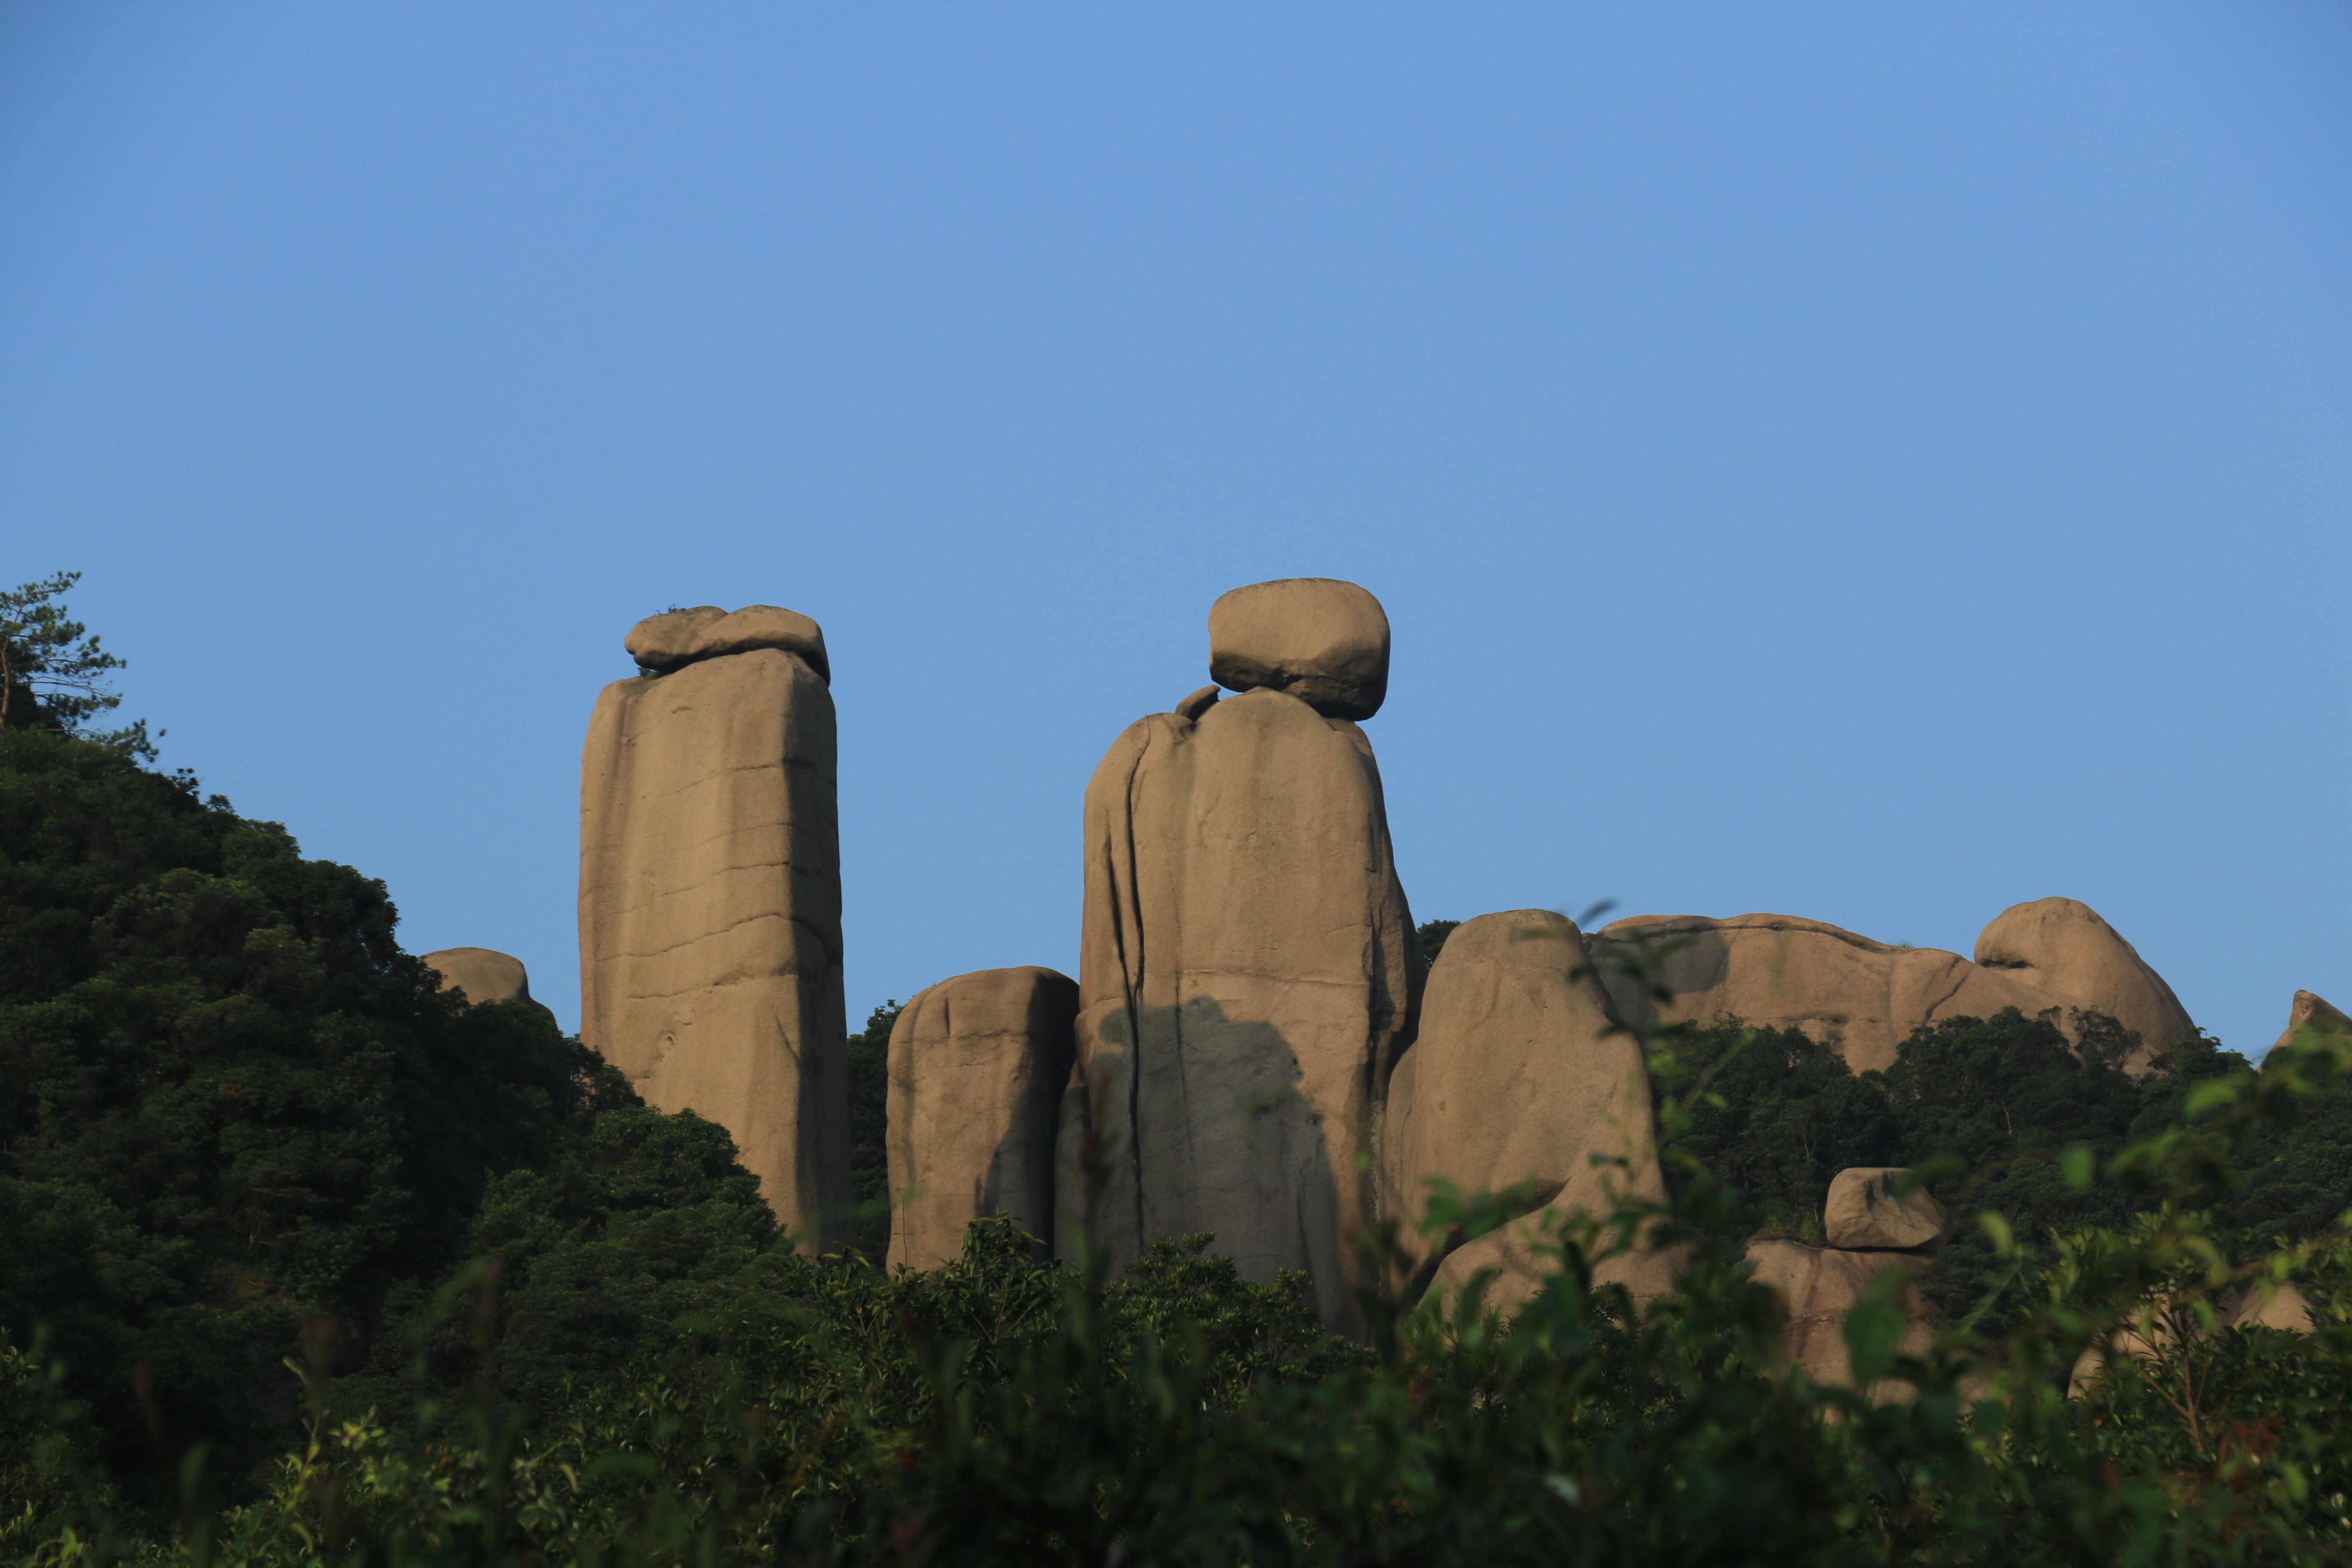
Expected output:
{"points": [[1196, 1121]]}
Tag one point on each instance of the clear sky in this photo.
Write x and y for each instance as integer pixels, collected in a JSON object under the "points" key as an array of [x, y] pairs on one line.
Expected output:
{"points": [[1876, 463]]}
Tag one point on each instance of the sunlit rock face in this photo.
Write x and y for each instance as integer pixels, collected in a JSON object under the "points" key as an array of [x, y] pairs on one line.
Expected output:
{"points": [[710, 897]]}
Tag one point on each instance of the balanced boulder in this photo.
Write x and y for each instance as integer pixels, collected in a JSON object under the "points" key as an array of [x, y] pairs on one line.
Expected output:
{"points": [[977, 1068], [2062, 948], [710, 906], [1325, 642], [1780, 971], [1517, 1078], [1248, 970], [672, 641], [1867, 1211]]}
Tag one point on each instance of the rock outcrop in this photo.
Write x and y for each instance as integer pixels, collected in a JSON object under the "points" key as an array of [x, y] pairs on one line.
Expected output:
{"points": [[710, 897], [1867, 1212], [2311, 1012], [1817, 1286], [1519, 1074], [483, 974], [2062, 948], [2267, 1304], [1780, 971], [1248, 970], [977, 1068]]}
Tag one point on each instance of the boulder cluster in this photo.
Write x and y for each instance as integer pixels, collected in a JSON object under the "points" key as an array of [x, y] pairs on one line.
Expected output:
{"points": [[1254, 1045]]}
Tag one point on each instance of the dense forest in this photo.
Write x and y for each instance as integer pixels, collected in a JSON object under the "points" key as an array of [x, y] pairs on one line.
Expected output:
{"points": [[303, 1261]]}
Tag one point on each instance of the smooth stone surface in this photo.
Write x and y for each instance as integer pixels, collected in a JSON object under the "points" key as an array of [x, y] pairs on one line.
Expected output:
{"points": [[763, 625], [2062, 947], [710, 917], [2312, 1012], [1324, 641], [1779, 972], [1817, 1286], [1865, 1212], [667, 641], [1248, 969], [1519, 1075], [673, 641], [484, 975], [977, 1068]]}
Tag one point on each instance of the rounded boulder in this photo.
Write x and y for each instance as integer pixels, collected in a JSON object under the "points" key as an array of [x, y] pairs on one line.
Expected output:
{"points": [[2062, 947], [1321, 640], [482, 974]]}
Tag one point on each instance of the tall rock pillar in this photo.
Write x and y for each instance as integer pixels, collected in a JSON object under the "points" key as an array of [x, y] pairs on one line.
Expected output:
{"points": [[1248, 966], [710, 897]]}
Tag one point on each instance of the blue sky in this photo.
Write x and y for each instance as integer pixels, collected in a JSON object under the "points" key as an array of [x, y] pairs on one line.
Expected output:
{"points": [[1873, 463]]}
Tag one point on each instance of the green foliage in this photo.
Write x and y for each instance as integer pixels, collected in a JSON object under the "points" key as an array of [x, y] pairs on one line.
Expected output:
{"points": [[998, 1411], [870, 1155], [2002, 1097], [227, 1100], [53, 673], [1779, 1116], [1432, 935]]}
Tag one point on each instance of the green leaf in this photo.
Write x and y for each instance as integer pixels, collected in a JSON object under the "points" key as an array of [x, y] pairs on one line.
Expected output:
{"points": [[1875, 1326]]}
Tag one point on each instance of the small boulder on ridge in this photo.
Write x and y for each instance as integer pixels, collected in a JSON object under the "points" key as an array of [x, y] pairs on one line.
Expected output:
{"points": [[483, 974]]}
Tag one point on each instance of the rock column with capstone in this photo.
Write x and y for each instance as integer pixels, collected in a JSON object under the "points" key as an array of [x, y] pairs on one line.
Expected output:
{"points": [[710, 896], [1248, 966]]}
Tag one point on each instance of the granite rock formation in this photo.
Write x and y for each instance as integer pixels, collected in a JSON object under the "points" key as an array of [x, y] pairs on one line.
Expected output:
{"points": [[669, 642], [1248, 966], [710, 897], [2062, 948], [977, 1068], [1780, 971], [1325, 642], [1866, 1213], [483, 974], [2312, 1012], [1519, 1074], [1817, 1286]]}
